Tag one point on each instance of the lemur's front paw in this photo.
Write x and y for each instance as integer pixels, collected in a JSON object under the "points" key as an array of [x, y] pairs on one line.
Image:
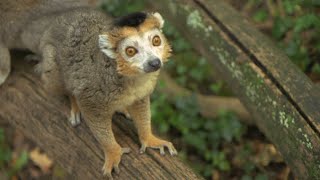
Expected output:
{"points": [[112, 160], [75, 118], [156, 143]]}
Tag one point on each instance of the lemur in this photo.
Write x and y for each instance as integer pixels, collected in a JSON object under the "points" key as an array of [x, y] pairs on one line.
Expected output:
{"points": [[102, 64]]}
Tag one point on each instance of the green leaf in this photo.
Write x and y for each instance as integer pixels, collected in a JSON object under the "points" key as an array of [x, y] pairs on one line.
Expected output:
{"points": [[281, 26], [260, 16], [316, 69], [224, 166], [306, 21], [181, 69], [289, 6], [195, 139], [19, 163], [246, 177], [219, 160], [216, 87], [261, 177]]}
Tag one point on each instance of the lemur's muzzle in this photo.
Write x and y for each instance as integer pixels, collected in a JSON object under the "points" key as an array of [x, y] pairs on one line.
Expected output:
{"points": [[152, 65]]}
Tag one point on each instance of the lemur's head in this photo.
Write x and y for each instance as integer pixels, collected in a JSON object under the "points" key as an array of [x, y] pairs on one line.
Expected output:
{"points": [[137, 43]]}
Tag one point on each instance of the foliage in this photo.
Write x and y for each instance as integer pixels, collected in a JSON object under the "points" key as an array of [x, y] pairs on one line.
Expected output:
{"points": [[296, 28], [117, 8], [201, 136], [8, 164]]}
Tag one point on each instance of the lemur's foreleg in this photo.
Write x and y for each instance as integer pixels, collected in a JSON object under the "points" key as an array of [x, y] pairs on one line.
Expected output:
{"points": [[99, 121], [75, 114], [141, 116]]}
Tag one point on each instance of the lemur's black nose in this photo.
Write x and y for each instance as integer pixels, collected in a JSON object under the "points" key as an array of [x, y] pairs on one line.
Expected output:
{"points": [[155, 64], [152, 65]]}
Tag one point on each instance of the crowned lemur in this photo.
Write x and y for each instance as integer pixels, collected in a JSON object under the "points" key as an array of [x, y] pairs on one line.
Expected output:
{"points": [[103, 64]]}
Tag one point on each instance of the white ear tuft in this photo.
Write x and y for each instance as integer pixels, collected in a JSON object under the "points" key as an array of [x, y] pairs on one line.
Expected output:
{"points": [[110, 53], [159, 17], [106, 46], [104, 41]]}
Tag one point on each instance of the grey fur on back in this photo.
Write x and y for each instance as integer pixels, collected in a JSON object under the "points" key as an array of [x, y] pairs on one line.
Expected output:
{"points": [[69, 30], [82, 64]]}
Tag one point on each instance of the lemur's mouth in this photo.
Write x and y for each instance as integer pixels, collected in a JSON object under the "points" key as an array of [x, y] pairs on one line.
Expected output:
{"points": [[152, 65]]}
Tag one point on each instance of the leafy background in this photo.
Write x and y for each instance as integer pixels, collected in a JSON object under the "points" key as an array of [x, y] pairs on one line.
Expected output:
{"points": [[217, 148]]}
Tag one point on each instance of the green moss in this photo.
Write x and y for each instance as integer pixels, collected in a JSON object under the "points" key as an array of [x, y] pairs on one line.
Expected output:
{"points": [[194, 20], [254, 90], [285, 119]]}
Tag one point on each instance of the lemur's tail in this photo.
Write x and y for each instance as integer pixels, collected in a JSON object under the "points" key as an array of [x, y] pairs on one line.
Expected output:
{"points": [[4, 64]]}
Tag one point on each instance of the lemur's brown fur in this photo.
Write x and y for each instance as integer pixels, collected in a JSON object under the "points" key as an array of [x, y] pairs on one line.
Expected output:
{"points": [[124, 67], [66, 36]]}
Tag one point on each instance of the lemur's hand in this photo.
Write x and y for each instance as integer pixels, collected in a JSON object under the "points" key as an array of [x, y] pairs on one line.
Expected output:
{"points": [[112, 160], [156, 143]]}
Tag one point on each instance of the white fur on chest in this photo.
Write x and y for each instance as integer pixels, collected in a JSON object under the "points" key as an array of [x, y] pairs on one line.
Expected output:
{"points": [[137, 89]]}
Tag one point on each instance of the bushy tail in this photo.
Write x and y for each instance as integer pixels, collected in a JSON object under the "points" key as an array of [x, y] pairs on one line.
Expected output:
{"points": [[4, 64]]}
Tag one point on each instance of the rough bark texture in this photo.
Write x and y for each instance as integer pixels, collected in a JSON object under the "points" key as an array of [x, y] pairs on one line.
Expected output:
{"points": [[25, 105], [282, 100]]}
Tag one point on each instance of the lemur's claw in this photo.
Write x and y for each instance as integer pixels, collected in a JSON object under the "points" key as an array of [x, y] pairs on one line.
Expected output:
{"points": [[116, 169], [156, 143], [143, 148], [162, 151], [173, 151], [108, 175], [112, 161], [75, 118]]}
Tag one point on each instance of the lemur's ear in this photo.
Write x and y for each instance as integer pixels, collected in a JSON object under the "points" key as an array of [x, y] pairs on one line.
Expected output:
{"points": [[106, 46], [159, 18]]}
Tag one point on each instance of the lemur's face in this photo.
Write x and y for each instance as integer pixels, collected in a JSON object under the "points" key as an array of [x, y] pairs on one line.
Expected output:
{"points": [[137, 44], [144, 51]]}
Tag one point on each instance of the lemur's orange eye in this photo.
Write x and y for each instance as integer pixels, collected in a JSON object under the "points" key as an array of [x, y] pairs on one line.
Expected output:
{"points": [[156, 41], [131, 51]]}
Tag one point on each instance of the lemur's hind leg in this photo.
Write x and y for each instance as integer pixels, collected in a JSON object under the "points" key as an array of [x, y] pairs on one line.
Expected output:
{"points": [[4, 63], [53, 83], [75, 114]]}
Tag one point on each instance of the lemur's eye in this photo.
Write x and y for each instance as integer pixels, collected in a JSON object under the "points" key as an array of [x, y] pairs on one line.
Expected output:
{"points": [[156, 41], [131, 51]]}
